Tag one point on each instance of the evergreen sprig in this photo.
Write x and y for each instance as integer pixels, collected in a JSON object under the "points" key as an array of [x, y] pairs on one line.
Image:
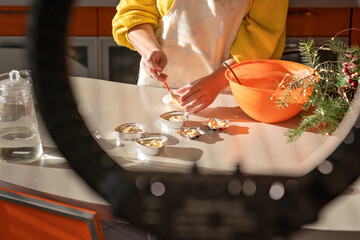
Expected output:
{"points": [[309, 53], [323, 119], [338, 47], [325, 108]]}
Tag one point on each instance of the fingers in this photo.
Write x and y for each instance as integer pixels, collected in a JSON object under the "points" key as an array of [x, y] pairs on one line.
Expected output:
{"points": [[153, 73], [160, 76], [183, 89], [154, 62], [195, 100], [162, 63], [197, 105], [195, 96], [156, 59], [154, 65], [190, 96]]}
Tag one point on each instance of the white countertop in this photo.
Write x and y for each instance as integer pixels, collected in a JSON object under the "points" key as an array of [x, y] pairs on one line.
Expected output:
{"points": [[258, 147]]}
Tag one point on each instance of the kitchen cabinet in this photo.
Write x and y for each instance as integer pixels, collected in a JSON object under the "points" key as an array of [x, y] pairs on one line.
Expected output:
{"points": [[14, 21], [97, 55], [82, 40], [81, 57], [318, 22], [13, 53], [106, 15], [92, 50], [355, 36], [83, 21], [117, 63]]}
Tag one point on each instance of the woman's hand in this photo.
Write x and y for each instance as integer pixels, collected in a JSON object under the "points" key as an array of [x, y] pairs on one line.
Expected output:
{"points": [[154, 63], [153, 58], [198, 95]]}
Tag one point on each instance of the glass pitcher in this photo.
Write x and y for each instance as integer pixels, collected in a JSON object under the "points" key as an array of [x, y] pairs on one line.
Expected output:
{"points": [[19, 132]]}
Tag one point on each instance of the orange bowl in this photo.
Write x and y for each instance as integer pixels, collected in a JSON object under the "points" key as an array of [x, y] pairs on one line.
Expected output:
{"points": [[259, 88]]}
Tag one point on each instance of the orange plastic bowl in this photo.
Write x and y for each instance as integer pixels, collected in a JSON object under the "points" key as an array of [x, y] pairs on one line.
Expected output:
{"points": [[258, 91]]}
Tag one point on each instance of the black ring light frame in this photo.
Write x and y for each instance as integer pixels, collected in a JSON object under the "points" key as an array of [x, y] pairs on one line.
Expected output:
{"points": [[184, 206]]}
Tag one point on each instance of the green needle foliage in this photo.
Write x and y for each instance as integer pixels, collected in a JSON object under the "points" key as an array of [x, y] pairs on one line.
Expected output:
{"points": [[309, 53], [326, 107]]}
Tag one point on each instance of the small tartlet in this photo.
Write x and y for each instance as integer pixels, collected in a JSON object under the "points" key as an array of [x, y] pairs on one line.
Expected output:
{"points": [[174, 119], [216, 124], [190, 132], [130, 131], [151, 145]]}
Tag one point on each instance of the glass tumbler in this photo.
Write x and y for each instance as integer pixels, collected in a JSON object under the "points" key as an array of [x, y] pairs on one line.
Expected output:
{"points": [[19, 132]]}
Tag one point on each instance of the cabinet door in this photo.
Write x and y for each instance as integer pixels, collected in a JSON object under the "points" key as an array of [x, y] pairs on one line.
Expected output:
{"points": [[14, 21], [83, 21], [318, 22], [355, 34], [106, 14], [118, 63], [13, 54], [82, 55]]}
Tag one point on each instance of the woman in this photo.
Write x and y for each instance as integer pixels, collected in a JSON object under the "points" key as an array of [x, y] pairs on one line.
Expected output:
{"points": [[185, 42]]}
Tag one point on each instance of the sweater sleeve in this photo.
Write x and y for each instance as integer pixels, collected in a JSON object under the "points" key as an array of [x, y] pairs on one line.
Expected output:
{"points": [[262, 33], [131, 13]]}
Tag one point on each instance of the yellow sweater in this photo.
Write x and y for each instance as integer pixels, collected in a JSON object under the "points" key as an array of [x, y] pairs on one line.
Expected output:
{"points": [[261, 34]]}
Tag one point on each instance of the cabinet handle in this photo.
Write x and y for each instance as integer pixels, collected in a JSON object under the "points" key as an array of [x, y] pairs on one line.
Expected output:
{"points": [[301, 13], [11, 45], [14, 12], [292, 50]]}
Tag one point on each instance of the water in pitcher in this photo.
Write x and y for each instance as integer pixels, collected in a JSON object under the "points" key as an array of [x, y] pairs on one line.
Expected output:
{"points": [[19, 133], [20, 144]]}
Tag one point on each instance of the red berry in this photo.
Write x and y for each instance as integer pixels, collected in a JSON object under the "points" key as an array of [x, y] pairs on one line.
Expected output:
{"points": [[350, 80], [354, 84], [346, 71], [345, 64], [352, 66], [348, 55]]}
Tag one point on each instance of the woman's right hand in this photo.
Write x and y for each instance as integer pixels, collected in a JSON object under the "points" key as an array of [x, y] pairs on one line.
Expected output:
{"points": [[153, 59], [154, 63]]}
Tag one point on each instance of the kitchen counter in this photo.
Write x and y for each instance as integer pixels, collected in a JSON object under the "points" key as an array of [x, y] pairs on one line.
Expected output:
{"points": [[259, 148], [292, 3]]}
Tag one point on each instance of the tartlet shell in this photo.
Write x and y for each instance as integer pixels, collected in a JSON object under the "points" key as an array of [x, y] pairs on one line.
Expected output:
{"points": [[180, 132], [151, 150], [165, 116], [206, 123], [131, 136]]}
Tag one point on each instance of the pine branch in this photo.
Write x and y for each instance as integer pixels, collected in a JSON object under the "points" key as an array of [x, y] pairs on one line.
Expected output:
{"points": [[299, 84], [330, 85], [338, 46], [324, 119], [309, 53]]}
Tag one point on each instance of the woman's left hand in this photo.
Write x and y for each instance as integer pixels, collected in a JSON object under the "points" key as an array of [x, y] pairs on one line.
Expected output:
{"points": [[198, 95]]}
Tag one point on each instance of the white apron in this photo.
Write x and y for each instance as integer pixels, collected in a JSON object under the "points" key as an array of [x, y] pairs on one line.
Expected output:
{"points": [[196, 36]]}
